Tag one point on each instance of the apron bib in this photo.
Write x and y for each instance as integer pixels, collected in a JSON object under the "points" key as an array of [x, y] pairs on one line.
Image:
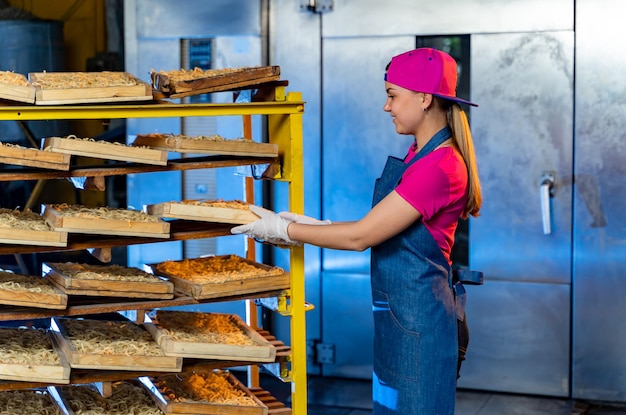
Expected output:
{"points": [[415, 328]]}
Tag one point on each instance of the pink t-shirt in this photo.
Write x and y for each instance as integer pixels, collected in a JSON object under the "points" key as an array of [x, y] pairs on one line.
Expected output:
{"points": [[436, 186]]}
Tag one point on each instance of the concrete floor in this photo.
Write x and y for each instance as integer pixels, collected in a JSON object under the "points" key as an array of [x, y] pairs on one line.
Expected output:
{"points": [[330, 396]]}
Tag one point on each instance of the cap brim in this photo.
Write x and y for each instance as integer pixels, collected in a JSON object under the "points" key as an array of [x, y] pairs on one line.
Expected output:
{"points": [[456, 99]]}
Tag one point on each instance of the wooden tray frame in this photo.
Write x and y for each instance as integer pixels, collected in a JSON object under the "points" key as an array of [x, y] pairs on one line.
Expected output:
{"points": [[31, 237], [140, 92], [78, 360], [179, 210], [200, 291], [159, 229], [36, 372], [238, 78], [18, 93], [106, 150], [159, 289], [179, 144], [263, 351], [56, 301], [33, 157], [204, 408]]}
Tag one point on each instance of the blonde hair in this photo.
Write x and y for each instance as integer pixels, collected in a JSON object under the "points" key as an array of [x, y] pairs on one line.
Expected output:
{"points": [[462, 136]]}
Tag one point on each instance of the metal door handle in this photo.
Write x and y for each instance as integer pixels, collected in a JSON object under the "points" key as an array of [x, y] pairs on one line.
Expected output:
{"points": [[546, 190]]}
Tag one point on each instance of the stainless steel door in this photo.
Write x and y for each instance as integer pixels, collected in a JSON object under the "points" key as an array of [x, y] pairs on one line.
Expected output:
{"points": [[520, 319]]}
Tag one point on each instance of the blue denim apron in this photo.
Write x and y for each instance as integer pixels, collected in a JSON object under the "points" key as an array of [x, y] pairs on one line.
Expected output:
{"points": [[415, 319]]}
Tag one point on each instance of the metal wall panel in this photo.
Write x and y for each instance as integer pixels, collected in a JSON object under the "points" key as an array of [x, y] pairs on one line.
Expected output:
{"points": [[359, 18], [357, 134], [599, 330], [519, 320]]}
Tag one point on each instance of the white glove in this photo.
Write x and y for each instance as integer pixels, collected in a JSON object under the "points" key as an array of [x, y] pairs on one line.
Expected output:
{"points": [[305, 220], [271, 228]]}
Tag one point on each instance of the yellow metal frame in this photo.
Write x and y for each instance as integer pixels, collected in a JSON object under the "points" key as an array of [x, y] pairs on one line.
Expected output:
{"points": [[284, 118]]}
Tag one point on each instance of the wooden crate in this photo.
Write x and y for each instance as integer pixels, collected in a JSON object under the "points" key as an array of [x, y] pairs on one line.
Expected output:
{"points": [[105, 150], [106, 360], [32, 157], [197, 406], [214, 81], [20, 93], [199, 212], [91, 224], [199, 145], [151, 287], [97, 93], [199, 287], [261, 351], [24, 234], [50, 298], [32, 371]]}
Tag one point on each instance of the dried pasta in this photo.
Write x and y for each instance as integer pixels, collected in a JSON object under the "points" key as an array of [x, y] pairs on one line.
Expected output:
{"points": [[126, 399], [79, 211], [110, 338], [17, 282], [31, 402], [27, 346], [203, 328], [212, 387], [103, 272], [178, 75], [25, 220], [9, 77], [73, 80], [215, 269]]}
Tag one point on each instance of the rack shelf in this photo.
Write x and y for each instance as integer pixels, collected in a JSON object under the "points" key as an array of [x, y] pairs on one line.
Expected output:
{"points": [[284, 124]]}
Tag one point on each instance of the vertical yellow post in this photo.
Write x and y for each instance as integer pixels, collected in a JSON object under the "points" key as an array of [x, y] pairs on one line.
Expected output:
{"points": [[286, 130]]}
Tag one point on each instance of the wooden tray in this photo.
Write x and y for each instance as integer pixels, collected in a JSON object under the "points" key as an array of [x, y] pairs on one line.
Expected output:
{"points": [[17, 93], [123, 398], [199, 324], [140, 91], [34, 291], [21, 236], [206, 145], [32, 401], [32, 157], [214, 81], [89, 223], [32, 371], [198, 406], [105, 150], [199, 210], [63, 275], [134, 361], [217, 285]]}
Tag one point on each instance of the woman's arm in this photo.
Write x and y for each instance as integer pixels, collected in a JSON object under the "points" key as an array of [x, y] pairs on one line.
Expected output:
{"points": [[388, 218]]}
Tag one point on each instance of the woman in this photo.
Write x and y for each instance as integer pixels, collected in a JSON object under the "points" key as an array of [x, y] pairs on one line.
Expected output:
{"points": [[410, 229]]}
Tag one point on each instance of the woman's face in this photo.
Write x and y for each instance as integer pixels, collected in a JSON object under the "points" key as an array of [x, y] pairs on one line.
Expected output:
{"points": [[406, 107]]}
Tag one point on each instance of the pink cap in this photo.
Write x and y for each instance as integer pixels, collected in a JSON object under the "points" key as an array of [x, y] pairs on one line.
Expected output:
{"points": [[426, 70]]}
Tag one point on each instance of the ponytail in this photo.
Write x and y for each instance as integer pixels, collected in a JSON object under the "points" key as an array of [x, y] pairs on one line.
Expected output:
{"points": [[463, 137]]}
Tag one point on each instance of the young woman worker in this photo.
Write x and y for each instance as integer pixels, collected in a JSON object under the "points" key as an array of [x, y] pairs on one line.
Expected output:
{"points": [[410, 229]]}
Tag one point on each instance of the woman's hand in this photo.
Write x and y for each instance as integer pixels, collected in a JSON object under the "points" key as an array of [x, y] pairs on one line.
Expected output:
{"points": [[270, 228]]}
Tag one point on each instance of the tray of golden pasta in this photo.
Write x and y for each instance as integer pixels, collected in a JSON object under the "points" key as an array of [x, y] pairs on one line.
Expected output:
{"points": [[103, 220], [111, 345], [101, 149], [30, 291], [28, 401], [208, 336], [17, 155], [215, 392], [206, 144], [28, 354], [16, 87], [178, 83], [215, 210], [121, 398], [221, 276], [25, 227], [59, 88], [110, 280]]}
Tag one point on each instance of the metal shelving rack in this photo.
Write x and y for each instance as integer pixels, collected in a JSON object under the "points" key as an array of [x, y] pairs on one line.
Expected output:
{"points": [[283, 112]]}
